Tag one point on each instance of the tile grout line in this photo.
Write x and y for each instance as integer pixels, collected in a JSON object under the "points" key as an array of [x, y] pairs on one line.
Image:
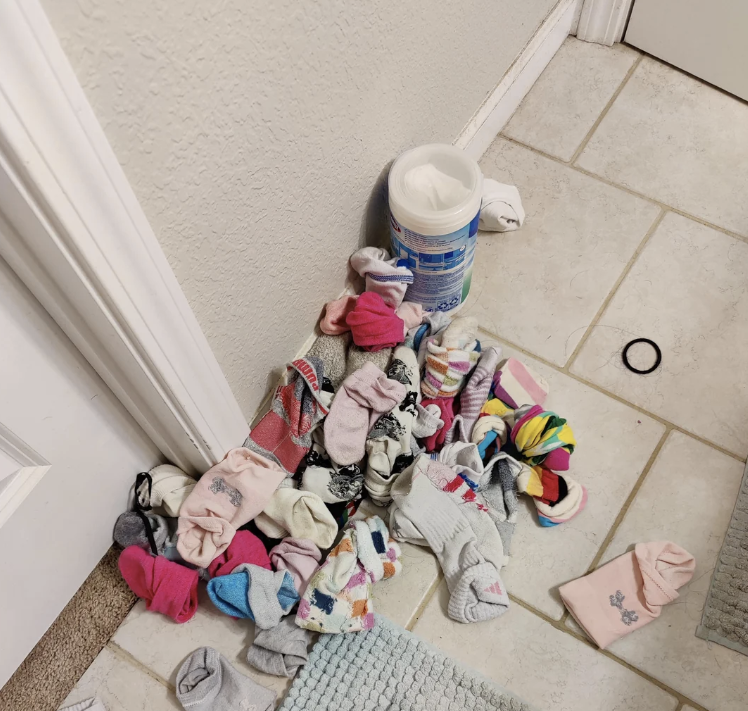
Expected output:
{"points": [[125, 656], [561, 627], [426, 600], [618, 398], [629, 501], [605, 110], [596, 318], [618, 186]]}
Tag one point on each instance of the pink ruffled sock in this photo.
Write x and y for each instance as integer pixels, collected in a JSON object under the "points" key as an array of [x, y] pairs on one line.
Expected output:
{"points": [[361, 400]]}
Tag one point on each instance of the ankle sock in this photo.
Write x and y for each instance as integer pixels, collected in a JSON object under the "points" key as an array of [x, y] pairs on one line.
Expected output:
{"points": [[207, 682], [149, 531], [300, 557], [427, 421], [498, 486], [542, 437], [333, 352], [338, 597], [332, 483], [382, 274], [244, 548], [280, 650], [374, 324], [164, 490], [333, 320], [284, 434], [474, 395], [516, 385], [565, 508], [361, 400], [446, 415], [252, 592], [299, 514], [166, 587], [411, 315], [382, 455], [449, 362], [454, 521], [629, 592], [389, 442], [227, 496]]}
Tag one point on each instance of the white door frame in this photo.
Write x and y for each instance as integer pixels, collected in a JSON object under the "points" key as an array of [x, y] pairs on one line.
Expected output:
{"points": [[77, 237], [603, 21]]}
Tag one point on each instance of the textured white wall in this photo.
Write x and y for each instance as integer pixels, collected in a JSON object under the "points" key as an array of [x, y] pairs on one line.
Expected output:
{"points": [[257, 136]]}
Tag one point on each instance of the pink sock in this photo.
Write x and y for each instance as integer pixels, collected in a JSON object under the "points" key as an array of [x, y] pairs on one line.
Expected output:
{"points": [[629, 592], [300, 557], [166, 587], [363, 397], [227, 496], [333, 322], [244, 548], [446, 407], [374, 324], [411, 314]]}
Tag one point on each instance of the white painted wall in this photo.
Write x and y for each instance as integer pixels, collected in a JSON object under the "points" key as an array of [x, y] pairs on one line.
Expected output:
{"points": [[257, 136]]}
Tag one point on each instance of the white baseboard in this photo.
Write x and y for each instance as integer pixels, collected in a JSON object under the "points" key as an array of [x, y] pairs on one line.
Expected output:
{"points": [[503, 101]]}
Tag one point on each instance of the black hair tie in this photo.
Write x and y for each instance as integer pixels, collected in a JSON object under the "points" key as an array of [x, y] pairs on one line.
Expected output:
{"points": [[657, 350]]}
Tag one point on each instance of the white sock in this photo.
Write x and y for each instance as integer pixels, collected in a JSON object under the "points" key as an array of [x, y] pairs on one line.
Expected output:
{"points": [[389, 442], [459, 531], [501, 207]]}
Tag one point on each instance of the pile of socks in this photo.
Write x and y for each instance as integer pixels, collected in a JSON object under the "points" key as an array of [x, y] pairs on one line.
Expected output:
{"points": [[391, 403]]}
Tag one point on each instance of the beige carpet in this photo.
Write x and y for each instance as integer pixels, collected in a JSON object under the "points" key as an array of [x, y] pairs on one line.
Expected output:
{"points": [[73, 641]]}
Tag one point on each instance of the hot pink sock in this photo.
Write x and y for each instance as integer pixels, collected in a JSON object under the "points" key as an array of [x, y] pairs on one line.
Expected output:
{"points": [[446, 407], [244, 548], [374, 324], [363, 397], [166, 587]]}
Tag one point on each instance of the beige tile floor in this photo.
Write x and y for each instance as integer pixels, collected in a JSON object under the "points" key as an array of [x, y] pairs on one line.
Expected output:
{"points": [[633, 176]]}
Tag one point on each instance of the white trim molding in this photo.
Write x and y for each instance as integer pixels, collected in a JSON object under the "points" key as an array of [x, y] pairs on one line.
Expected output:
{"points": [[603, 21], [504, 100], [80, 241], [15, 488]]}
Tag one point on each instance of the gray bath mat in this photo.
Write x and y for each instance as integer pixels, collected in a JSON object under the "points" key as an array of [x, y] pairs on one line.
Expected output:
{"points": [[390, 668], [725, 618]]}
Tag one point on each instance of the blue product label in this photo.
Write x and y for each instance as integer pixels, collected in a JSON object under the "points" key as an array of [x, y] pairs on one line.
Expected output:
{"points": [[442, 264]]}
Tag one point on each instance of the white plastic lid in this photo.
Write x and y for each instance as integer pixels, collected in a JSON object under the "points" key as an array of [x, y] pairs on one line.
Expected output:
{"points": [[413, 211]]}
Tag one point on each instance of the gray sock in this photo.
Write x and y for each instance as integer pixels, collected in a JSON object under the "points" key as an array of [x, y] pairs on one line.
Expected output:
{"points": [[463, 537], [280, 650], [332, 351], [130, 531], [358, 356], [270, 595], [207, 682], [498, 485]]}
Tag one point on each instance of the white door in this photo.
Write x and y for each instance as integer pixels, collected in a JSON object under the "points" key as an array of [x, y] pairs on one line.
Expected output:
{"points": [[706, 38], [68, 454]]}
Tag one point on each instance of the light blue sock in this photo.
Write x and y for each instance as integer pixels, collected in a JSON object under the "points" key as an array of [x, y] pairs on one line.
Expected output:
{"points": [[255, 593]]}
